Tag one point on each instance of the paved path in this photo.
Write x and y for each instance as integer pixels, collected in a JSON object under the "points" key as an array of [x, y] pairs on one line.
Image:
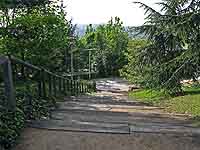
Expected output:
{"points": [[108, 120]]}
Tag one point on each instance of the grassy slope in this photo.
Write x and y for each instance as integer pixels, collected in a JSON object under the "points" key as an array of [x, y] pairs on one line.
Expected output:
{"points": [[187, 104]]}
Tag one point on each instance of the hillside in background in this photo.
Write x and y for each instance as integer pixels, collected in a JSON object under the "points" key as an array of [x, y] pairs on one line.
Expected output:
{"points": [[81, 29]]}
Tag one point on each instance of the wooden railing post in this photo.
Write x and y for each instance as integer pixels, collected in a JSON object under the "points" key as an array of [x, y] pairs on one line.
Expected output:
{"points": [[77, 88], [82, 88], [50, 85], [68, 87], [74, 87], [71, 87], [60, 85], [8, 81], [54, 86], [64, 86], [39, 85], [94, 86], [44, 93], [86, 88]]}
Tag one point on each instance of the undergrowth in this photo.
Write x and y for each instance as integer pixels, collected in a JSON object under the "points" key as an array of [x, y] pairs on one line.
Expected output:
{"points": [[29, 106]]}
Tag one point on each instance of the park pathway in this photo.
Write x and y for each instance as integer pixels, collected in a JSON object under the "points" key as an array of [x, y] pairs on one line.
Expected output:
{"points": [[108, 120]]}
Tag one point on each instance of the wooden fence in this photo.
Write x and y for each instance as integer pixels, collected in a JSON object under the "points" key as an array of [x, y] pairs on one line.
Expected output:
{"points": [[47, 83]]}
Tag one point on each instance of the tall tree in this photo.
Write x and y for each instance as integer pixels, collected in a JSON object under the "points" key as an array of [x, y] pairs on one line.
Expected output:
{"points": [[40, 36], [174, 53], [110, 41]]}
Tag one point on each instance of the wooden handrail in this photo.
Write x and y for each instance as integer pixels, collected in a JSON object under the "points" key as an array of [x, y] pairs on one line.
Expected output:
{"points": [[15, 60], [48, 83]]}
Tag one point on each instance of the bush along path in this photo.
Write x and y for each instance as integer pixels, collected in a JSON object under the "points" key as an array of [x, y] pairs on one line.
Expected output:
{"points": [[109, 120]]}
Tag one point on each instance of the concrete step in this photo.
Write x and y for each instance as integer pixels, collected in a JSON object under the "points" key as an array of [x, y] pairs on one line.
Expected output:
{"points": [[116, 117], [110, 101], [80, 126]]}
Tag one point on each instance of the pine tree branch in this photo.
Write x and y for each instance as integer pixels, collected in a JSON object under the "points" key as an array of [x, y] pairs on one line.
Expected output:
{"points": [[148, 8], [175, 73]]}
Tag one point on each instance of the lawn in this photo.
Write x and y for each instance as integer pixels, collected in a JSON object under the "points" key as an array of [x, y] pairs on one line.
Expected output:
{"points": [[189, 103]]}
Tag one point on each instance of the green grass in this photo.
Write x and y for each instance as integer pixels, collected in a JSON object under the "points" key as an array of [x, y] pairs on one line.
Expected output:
{"points": [[189, 103], [148, 96]]}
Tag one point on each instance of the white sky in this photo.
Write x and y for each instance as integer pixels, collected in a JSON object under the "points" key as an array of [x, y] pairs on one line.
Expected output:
{"points": [[100, 11]]}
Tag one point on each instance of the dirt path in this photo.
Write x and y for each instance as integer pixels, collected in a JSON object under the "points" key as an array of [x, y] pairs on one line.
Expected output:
{"points": [[109, 121]]}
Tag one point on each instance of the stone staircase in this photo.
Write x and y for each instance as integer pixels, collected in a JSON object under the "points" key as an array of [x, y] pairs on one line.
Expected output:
{"points": [[105, 121], [100, 115]]}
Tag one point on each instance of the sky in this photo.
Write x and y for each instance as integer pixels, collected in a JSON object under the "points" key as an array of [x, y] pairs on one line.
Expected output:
{"points": [[100, 11]]}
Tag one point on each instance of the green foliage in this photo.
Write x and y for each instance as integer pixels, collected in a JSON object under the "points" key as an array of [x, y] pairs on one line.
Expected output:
{"points": [[110, 41], [22, 3], [33, 106], [11, 124], [40, 36], [132, 71], [35, 31], [174, 53], [29, 106], [38, 39]]}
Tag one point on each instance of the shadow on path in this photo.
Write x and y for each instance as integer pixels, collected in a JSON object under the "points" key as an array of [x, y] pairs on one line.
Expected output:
{"points": [[108, 120]]}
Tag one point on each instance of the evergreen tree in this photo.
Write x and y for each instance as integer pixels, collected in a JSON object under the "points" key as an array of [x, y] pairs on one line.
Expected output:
{"points": [[174, 53]]}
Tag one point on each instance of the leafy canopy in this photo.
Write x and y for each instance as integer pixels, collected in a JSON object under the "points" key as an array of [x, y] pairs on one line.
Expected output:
{"points": [[110, 41], [174, 53]]}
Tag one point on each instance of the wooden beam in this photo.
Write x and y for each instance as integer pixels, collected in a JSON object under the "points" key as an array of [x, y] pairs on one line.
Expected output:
{"points": [[3, 60], [80, 73], [15, 60], [78, 49], [8, 83]]}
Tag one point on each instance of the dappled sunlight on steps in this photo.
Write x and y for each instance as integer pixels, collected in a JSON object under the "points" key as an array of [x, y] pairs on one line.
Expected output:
{"points": [[102, 121]]}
